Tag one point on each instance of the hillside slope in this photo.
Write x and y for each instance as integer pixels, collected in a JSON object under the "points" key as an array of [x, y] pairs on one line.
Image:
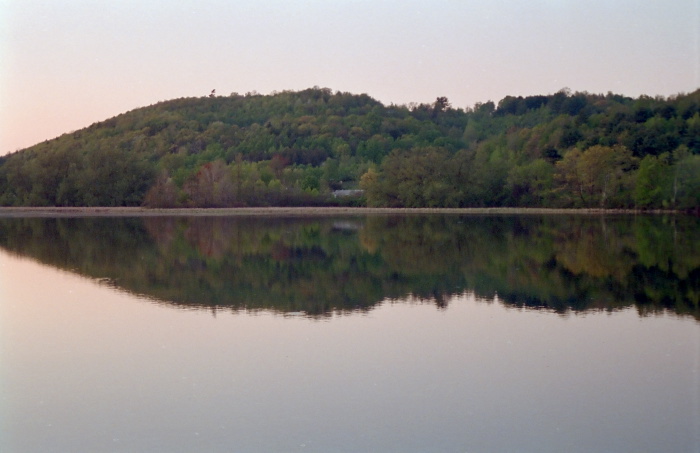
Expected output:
{"points": [[295, 148]]}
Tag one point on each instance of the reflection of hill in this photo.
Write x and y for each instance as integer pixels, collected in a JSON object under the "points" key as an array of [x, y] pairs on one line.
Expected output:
{"points": [[559, 263], [325, 265]]}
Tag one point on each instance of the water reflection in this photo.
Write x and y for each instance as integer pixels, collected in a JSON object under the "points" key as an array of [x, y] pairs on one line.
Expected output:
{"points": [[321, 266]]}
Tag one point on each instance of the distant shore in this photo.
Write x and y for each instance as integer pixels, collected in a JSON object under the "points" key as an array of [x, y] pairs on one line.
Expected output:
{"points": [[295, 211]]}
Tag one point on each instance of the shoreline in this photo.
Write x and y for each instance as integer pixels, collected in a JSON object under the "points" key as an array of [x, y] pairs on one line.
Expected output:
{"points": [[298, 211]]}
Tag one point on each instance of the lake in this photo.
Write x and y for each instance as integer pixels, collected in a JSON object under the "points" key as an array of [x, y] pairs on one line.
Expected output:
{"points": [[387, 333]]}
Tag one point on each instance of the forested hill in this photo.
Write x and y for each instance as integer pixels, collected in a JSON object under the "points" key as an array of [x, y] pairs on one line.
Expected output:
{"points": [[297, 148]]}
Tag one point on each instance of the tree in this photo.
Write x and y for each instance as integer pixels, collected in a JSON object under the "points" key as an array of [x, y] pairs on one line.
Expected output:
{"points": [[531, 184], [211, 185], [490, 173], [686, 182], [440, 105], [377, 191], [416, 178], [278, 163], [163, 193], [596, 175], [653, 182]]}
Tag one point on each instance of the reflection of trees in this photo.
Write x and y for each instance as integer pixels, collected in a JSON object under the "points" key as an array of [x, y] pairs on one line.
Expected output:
{"points": [[560, 263], [321, 265], [587, 248]]}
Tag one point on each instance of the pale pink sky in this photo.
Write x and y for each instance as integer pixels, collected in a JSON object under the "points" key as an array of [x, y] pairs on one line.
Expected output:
{"points": [[65, 64]]}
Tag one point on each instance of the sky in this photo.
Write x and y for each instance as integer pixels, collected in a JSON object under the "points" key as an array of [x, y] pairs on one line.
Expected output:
{"points": [[65, 64]]}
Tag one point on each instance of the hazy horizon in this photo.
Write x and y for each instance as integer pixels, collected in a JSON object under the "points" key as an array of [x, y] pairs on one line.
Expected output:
{"points": [[69, 64]]}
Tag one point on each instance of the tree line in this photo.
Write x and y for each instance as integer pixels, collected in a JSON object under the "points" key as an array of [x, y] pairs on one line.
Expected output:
{"points": [[296, 148]]}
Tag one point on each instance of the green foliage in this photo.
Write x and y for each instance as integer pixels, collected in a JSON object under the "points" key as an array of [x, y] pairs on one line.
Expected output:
{"points": [[686, 183], [531, 184], [297, 147], [653, 185], [411, 179], [600, 176]]}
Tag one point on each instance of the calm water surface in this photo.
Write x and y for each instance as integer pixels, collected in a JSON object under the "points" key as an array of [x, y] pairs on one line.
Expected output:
{"points": [[402, 334]]}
